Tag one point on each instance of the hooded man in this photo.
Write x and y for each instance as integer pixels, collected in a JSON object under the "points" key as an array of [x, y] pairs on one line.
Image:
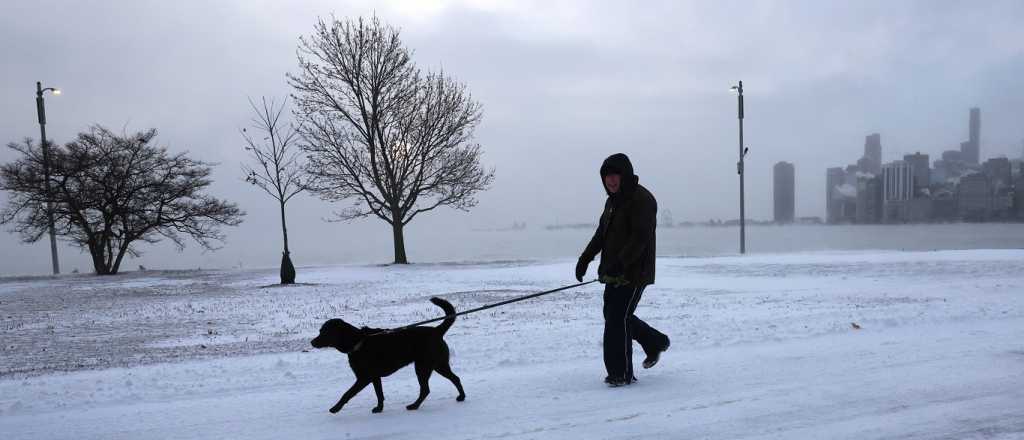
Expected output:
{"points": [[625, 240]]}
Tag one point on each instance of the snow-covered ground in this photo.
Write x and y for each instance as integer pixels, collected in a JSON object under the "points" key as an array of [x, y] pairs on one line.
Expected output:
{"points": [[762, 347]]}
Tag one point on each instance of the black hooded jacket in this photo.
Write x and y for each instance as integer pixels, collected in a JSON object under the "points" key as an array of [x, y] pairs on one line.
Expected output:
{"points": [[625, 234]]}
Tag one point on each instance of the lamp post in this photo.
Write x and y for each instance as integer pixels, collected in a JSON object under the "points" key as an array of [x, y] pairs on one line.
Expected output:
{"points": [[41, 109], [739, 168]]}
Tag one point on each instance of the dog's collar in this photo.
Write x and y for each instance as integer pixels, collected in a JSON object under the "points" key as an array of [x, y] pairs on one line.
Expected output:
{"points": [[359, 344]]}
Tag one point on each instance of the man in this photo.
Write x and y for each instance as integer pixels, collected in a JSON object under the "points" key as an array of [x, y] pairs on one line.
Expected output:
{"points": [[625, 240]]}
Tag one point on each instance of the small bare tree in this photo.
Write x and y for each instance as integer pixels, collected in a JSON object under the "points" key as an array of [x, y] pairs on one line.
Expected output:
{"points": [[111, 192], [379, 131], [279, 166]]}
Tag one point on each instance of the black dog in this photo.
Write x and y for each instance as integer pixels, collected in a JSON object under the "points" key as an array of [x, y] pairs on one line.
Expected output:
{"points": [[376, 353]]}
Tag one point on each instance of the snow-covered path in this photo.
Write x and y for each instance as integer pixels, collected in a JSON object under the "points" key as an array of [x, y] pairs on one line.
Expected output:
{"points": [[763, 347]]}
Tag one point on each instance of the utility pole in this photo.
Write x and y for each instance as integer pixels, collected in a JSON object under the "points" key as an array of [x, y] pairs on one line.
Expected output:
{"points": [[739, 169], [41, 110]]}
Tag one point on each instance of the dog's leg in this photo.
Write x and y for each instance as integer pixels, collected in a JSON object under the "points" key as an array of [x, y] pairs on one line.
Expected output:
{"points": [[423, 374], [356, 388], [379, 389], [446, 371]]}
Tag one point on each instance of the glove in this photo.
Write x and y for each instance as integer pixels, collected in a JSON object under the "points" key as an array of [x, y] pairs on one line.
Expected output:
{"points": [[614, 281], [581, 269]]}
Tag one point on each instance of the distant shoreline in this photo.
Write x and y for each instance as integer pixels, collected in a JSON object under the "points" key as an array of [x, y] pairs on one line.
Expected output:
{"points": [[735, 223]]}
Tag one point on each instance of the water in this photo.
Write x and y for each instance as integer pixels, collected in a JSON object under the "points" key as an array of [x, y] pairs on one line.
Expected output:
{"points": [[427, 243], [539, 243]]}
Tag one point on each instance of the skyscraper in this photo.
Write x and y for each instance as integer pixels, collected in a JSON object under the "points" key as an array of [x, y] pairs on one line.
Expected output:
{"points": [[833, 178], [873, 153], [922, 172], [1018, 198], [897, 191], [999, 172], [972, 148], [869, 199], [974, 197], [784, 192]]}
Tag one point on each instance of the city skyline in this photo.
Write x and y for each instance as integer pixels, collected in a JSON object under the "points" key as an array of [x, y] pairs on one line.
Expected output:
{"points": [[961, 188], [925, 170]]}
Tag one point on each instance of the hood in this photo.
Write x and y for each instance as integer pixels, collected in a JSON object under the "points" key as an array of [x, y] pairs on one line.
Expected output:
{"points": [[619, 164]]}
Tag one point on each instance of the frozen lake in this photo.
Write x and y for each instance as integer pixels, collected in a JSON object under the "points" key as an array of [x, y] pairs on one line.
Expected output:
{"points": [[370, 243]]}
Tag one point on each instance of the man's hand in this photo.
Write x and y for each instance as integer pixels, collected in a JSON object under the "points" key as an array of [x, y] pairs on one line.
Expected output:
{"points": [[614, 281], [581, 269]]}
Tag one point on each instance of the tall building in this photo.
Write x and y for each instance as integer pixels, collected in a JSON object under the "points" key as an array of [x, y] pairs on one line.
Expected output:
{"points": [[922, 171], [965, 151], [784, 177], [869, 199], [999, 172], [898, 181], [939, 172], [1018, 196], [833, 209], [1002, 203], [975, 134], [974, 197], [897, 191], [873, 154], [951, 166], [864, 164], [972, 148], [944, 204]]}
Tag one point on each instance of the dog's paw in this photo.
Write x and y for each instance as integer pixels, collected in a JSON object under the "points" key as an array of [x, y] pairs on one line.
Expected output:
{"points": [[334, 409], [377, 409], [412, 407], [460, 398]]}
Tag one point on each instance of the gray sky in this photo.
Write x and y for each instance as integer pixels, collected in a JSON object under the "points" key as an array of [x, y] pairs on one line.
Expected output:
{"points": [[563, 84]]}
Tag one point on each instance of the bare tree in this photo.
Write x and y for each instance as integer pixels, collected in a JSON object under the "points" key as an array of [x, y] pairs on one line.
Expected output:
{"points": [[279, 166], [111, 192], [377, 130]]}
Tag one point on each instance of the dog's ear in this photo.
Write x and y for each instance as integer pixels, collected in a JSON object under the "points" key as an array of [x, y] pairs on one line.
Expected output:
{"points": [[331, 324]]}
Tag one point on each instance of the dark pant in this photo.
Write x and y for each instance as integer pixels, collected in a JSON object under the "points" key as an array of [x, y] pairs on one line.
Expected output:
{"points": [[622, 327]]}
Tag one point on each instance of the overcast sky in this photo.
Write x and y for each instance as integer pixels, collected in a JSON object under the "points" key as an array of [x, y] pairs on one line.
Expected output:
{"points": [[563, 85]]}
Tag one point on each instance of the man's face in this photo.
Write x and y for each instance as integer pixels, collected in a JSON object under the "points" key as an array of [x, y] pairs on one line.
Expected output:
{"points": [[612, 182]]}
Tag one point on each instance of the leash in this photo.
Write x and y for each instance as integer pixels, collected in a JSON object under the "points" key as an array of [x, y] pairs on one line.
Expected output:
{"points": [[488, 306]]}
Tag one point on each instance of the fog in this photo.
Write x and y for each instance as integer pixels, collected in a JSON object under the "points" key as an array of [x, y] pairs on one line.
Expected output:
{"points": [[562, 85]]}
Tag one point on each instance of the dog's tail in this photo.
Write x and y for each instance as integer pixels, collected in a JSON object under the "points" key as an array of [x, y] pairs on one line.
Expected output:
{"points": [[448, 310]]}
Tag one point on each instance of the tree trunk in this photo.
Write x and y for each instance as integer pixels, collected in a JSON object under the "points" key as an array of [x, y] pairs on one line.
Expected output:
{"points": [[284, 229], [99, 264], [287, 268], [117, 261], [399, 236]]}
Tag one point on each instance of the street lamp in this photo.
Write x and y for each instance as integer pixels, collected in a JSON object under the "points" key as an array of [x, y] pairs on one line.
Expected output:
{"points": [[739, 168], [41, 109]]}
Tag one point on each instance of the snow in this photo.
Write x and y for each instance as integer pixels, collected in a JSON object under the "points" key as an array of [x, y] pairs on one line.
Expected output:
{"points": [[763, 346]]}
